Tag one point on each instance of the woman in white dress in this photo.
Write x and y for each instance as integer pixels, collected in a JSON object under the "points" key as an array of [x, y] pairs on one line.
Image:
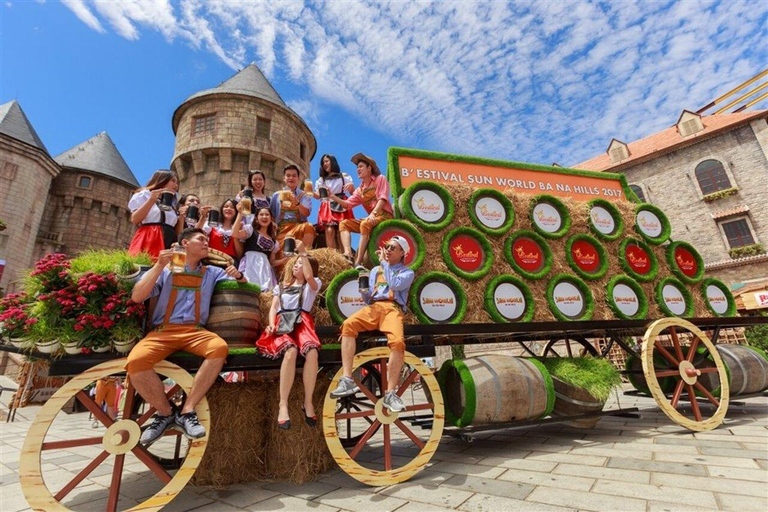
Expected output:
{"points": [[260, 248]]}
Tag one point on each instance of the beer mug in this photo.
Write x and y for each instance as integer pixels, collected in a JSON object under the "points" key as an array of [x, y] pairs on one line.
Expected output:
{"points": [[247, 200], [285, 198], [213, 218], [166, 201], [289, 246], [362, 279], [178, 259], [193, 212], [308, 186], [322, 192]]}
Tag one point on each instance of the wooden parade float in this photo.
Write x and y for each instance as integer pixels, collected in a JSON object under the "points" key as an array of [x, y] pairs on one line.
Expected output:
{"points": [[563, 265]]}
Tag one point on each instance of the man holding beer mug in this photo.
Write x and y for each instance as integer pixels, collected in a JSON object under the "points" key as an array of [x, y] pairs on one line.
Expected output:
{"points": [[290, 209], [184, 299]]}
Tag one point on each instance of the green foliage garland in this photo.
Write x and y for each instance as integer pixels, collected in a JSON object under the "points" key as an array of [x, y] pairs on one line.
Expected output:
{"points": [[231, 284], [617, 219], [643, 278], [421, 250], [505, 203], [746, 250], [670, 255], [470, 393], [658, 292], [333, 289], [546, 251], [589, 302], [601, 270], [558, 205], [490, 304], [731, 311], [666, 229], [714, 196], [408, 213], [446, 279], [642, 310], [484, 244]]}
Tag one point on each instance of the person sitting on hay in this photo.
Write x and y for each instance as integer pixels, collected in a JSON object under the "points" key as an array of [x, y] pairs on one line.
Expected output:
{"points": [[182, 309], [386, 295], [290, 209], [291, 331], [373, 194]]}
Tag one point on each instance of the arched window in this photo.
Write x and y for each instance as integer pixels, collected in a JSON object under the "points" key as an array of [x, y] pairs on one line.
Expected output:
{"points": [[638, 192], [712, 177]]}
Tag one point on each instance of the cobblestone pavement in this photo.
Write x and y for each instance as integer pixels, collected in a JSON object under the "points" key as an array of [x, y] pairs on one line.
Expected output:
{"points": [[622, 464]]}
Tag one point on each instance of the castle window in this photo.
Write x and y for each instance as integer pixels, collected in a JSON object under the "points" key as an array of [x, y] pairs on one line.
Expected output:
{"points": [[637, 189], [84, 182], [617, 151], [712, 177], [203, 124], [8, 171], [267, 166], [263, 127], [302, 151], [738, 233]]}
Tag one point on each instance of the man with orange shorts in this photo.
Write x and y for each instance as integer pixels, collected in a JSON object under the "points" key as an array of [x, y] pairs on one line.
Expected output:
{"points": [[182, 310], [290, 209], [387, 293]]}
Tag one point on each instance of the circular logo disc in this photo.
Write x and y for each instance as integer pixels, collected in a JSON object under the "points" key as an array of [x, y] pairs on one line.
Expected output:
{"points": [[438, 301]]}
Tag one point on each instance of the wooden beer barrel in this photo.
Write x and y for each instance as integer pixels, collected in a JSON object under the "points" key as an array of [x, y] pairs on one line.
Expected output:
{"points": [[235, 314], [573, 401], [491, 389], [748, 369]]}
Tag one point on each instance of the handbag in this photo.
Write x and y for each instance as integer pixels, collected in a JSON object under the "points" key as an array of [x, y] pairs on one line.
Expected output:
{"points": [[289, 317]]}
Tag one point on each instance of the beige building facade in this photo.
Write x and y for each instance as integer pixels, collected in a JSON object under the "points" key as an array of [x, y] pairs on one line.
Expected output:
{"points": [[709, 174]]}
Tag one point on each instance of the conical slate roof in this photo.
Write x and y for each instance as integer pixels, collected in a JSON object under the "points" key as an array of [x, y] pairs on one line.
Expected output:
{"points": [[249, 82], [98, 154], [15, 124]]}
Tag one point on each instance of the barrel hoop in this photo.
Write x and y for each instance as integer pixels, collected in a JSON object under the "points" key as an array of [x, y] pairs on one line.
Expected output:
{"points": [[235, 304], [575, 401], [548, 384], [496, 384], [735, 359], [527, 375], [758, 350]]}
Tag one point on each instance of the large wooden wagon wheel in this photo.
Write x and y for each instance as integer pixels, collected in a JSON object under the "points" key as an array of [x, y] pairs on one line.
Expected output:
{"points": [[575, 346], [377, 467], [370, 375], [687, 365], [121, 439]]}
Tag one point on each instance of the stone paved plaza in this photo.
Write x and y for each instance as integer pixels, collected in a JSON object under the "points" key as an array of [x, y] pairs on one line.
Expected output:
{"points": [[622, 464]]}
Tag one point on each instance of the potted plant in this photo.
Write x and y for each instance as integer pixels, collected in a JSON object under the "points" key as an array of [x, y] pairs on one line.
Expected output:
{"points": [[17, 324], [12, 300], [44, 336], [125, 335], [124, 265], [69, 338], [2, 225]]}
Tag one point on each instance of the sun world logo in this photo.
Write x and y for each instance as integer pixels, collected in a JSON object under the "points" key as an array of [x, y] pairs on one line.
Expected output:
{"points": [[673, 300], [570, 298], [430, 301], [343, 299], [488, 213], [716, 298], [501, 301], [625, 300], [423, 206]]}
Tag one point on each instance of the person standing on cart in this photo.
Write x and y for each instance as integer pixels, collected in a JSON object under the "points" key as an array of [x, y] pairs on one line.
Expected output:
{"points": [[184, 299], [386, 295]]}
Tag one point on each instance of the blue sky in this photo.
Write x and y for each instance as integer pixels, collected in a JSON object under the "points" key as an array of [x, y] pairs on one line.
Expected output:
{"points": [[528, 81]]}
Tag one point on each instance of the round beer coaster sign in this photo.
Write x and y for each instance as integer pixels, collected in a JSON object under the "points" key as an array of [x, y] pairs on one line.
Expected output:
{"points": [[673, 298], [602, 220], [466, 253], [625, 299], [428, 206], [348, 298], [395, 227], [490, 212], [716, 299], [585, 256], [686, 262], [568, 300], [649, 224], [438, 301], [547, 218], [509, 301], [638, 259], [528, 254]]}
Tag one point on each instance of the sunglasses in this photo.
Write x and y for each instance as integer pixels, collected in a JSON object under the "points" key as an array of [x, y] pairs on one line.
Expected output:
{"points": [[391, 247]]}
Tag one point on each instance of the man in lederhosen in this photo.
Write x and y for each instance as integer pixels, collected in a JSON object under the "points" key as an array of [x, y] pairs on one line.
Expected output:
{"points": [[177, 325], [290, 209]]}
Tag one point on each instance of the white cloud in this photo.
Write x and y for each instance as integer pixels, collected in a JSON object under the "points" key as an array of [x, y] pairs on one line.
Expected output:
{"points": [[536, 81]]}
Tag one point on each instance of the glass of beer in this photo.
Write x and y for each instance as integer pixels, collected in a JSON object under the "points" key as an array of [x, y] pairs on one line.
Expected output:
{"points": [[247, 200], [178, 259], [285, 198], [166, 201], [308, 187], [289, 245], [213, 218]]}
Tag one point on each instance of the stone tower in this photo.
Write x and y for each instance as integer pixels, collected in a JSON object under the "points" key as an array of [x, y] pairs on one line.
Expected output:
{"points": [[26, 171], [242, 124], [88, 202]]}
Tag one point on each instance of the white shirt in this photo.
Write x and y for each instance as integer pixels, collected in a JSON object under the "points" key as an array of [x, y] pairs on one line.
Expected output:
{"points": [[292, 301], [140, 198], [334, 185]]}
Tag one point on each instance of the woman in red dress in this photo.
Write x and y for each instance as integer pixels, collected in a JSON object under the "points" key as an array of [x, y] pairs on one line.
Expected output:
{"points": [[220, 237], [157, 226], [332, 213]]}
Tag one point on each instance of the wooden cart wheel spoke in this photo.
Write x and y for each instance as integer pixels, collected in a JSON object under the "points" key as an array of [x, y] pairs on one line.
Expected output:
{"points": [[351, 415], [366, 391], [408, 432], [395, 470], [120, 438], [87, 470], [151, 410], [689, 369], [586, 348]]}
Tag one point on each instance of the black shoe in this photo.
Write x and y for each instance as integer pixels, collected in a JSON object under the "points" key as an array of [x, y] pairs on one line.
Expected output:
{"points": [[284, 425], [310, 420]]}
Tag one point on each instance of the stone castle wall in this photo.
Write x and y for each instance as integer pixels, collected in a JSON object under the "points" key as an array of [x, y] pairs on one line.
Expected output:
{"points": [[214, 165]]}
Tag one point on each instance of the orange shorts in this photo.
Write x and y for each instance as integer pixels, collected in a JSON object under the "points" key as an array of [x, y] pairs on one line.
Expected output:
{"points": [[106, 391], [386, 317], [162, 342], [296, 230], [363, 226]]}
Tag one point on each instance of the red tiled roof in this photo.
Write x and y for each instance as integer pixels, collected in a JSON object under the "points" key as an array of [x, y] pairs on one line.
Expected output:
{"points": [[728, 213], [669, 139]]}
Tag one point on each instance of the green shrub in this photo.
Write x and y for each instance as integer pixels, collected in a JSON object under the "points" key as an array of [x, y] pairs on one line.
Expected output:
{"points": [[105, 262], [596, 376], [757, 336], [746, 250]]}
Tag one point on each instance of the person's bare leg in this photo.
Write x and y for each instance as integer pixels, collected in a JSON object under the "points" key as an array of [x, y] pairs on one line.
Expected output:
{"points": [[287, 375], [362, 249], [395, 367], [151, 389], [348, 346], [330, 237], [204, 379], [309, 377], [346, 242]]}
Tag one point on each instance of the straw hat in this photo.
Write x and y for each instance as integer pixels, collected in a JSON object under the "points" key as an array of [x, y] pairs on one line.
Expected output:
{"points": [[360, 157]]}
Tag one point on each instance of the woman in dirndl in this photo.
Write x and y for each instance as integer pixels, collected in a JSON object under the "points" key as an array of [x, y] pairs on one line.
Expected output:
{"points": [[220, 237], [291, 331], [156, 226], [260, 247], [332, 213]]}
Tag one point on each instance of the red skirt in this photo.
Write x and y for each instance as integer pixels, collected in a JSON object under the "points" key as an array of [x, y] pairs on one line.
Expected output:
{"points": [[327, 217], [303, 338], [147, 239]]}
